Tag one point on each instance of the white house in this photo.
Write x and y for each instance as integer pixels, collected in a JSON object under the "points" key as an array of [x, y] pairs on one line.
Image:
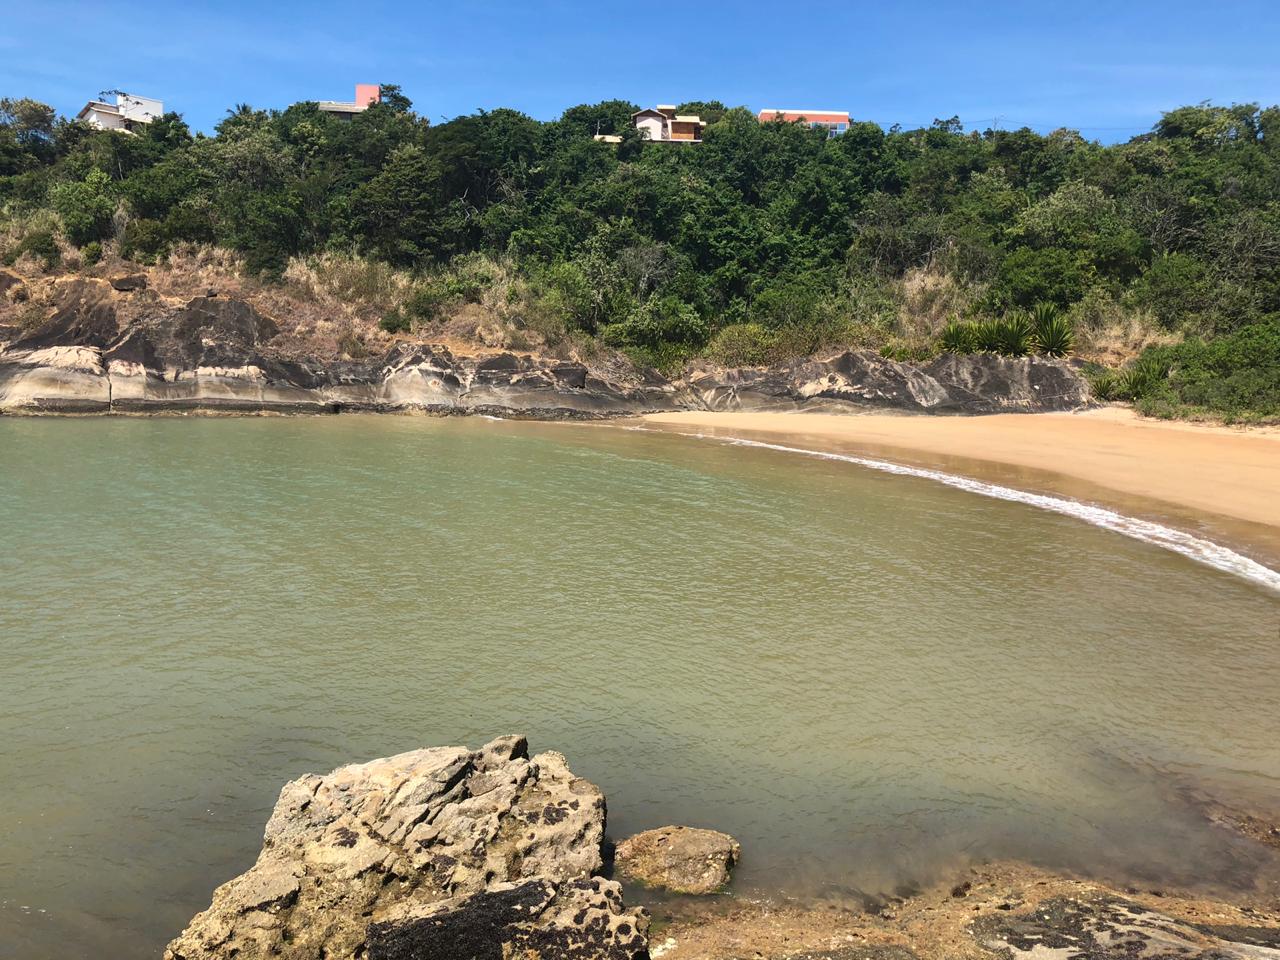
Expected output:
{"points": [[125, 114], [664, 125]]}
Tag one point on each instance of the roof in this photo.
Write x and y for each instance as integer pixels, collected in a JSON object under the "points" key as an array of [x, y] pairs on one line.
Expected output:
{"points": [[819, 116], [99, 106], [688, 118], [607, 138], [648, 110]]}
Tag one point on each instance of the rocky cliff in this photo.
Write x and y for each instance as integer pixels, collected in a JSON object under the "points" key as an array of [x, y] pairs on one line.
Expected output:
{"points": [[437, 854], [114, 347]]}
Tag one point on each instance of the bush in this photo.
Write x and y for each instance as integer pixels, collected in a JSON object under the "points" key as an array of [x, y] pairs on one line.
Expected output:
{"points": [[741, 345], [1236, 376], [395, 321], [1051, 331], [958, 337], [1009, 336], [85, 207], [91, 253], [40, 244], [144, 241]]}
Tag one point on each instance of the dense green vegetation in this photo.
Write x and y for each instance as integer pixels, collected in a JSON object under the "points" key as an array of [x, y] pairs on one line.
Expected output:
{"points": [[766, 240]]}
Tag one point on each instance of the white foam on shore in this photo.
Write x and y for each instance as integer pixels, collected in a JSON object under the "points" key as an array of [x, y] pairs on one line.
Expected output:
{"points": [[1179, 541]]}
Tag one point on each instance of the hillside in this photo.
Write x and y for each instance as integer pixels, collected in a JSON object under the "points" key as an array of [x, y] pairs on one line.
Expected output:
{"points": [[1156, 260]]}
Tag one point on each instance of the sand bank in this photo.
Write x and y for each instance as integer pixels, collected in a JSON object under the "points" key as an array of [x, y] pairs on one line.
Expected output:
{"points": [[1222, 482]]}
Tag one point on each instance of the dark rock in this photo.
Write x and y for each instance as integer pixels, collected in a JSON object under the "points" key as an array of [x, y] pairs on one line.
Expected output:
{"points": [[1104, 927], [127, 284], [976, 383], [85, 318]]}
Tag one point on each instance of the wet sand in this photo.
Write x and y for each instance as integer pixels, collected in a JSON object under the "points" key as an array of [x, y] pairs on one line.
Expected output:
{"points": [[1221, 482]]}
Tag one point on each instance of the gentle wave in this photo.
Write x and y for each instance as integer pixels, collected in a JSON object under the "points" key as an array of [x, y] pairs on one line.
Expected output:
{"points": [[1179, 541]]}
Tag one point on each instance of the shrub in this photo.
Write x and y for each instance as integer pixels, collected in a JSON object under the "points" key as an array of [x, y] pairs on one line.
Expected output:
{"points": [[1009, 336], [395, 321], [40, 244], [1143, 377], [1051, 330], [91, 253], [85, 207], [1236, 376], [959, 337], [1104, 384], [741, 345], [144, 241]]}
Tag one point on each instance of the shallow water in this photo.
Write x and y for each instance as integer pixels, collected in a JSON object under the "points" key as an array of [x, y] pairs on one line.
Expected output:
{"points": [[865, 677]]}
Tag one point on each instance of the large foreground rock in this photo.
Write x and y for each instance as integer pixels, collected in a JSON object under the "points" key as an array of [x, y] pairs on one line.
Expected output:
{"points": [[680, 859], [436, 854]]}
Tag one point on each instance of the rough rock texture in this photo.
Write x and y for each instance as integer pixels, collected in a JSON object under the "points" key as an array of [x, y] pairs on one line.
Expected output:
{"points": [[1104, 926], [130, 282], [212, 355], [433, 854], [1002, 910], [118, 347], [680, 859], [979, 383]]}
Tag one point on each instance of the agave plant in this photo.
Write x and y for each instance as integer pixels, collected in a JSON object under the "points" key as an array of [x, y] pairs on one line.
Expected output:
{"points": [[1105, 385], [1143, 377], [958, 337], [1052, 332], [1013, 335]]}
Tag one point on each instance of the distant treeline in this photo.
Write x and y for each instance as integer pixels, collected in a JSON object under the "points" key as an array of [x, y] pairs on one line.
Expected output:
{"points": [[670, 250]]}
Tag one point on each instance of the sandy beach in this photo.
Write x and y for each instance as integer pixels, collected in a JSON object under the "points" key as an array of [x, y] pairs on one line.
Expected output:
{"points": [[1220, 481]]}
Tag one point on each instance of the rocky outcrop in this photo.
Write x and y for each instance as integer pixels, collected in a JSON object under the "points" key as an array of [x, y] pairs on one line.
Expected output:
{"points": [[435, 854], [1001, 910], [679, 859], [974, 383], [117, 347], [211, 355]]}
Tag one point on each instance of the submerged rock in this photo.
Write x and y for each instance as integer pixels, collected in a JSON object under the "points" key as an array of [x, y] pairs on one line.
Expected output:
{"points": [[679, 859], [432, 854]]}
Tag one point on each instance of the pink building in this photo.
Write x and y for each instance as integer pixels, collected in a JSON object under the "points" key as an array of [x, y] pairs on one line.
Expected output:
{"points": [[367, 94], [836, 122]]}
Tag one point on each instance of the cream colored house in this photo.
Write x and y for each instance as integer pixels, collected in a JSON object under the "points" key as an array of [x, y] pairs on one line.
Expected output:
{"points": [[662, 124], [125, 114]]}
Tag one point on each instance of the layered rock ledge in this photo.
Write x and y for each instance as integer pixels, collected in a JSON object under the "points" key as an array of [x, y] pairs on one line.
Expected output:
{"points": [[118, 348], [435, 854]]}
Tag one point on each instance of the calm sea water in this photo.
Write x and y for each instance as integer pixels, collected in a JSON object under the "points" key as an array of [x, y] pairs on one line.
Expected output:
{"points": [[867, 678]]}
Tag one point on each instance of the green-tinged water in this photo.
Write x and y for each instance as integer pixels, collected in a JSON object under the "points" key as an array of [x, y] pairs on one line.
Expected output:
{"points": [[864, 677]]}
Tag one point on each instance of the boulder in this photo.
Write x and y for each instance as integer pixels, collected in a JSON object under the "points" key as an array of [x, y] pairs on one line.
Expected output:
{"points": [[680, 859], [129, 283], [432, 854]]}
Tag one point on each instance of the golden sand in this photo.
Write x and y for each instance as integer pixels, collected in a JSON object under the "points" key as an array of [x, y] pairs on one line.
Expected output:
{"points": [[1222, 481]]}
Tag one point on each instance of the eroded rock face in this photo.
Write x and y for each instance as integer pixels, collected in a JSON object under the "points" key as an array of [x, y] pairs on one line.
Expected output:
{"points": [[679, 859], [1105, 927], [976, 383], [212, 355], [442, 852], [215, 354]]}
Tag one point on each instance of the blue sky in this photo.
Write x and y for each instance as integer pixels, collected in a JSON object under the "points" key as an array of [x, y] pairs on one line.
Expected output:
{"points": [[1108, 69]]}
